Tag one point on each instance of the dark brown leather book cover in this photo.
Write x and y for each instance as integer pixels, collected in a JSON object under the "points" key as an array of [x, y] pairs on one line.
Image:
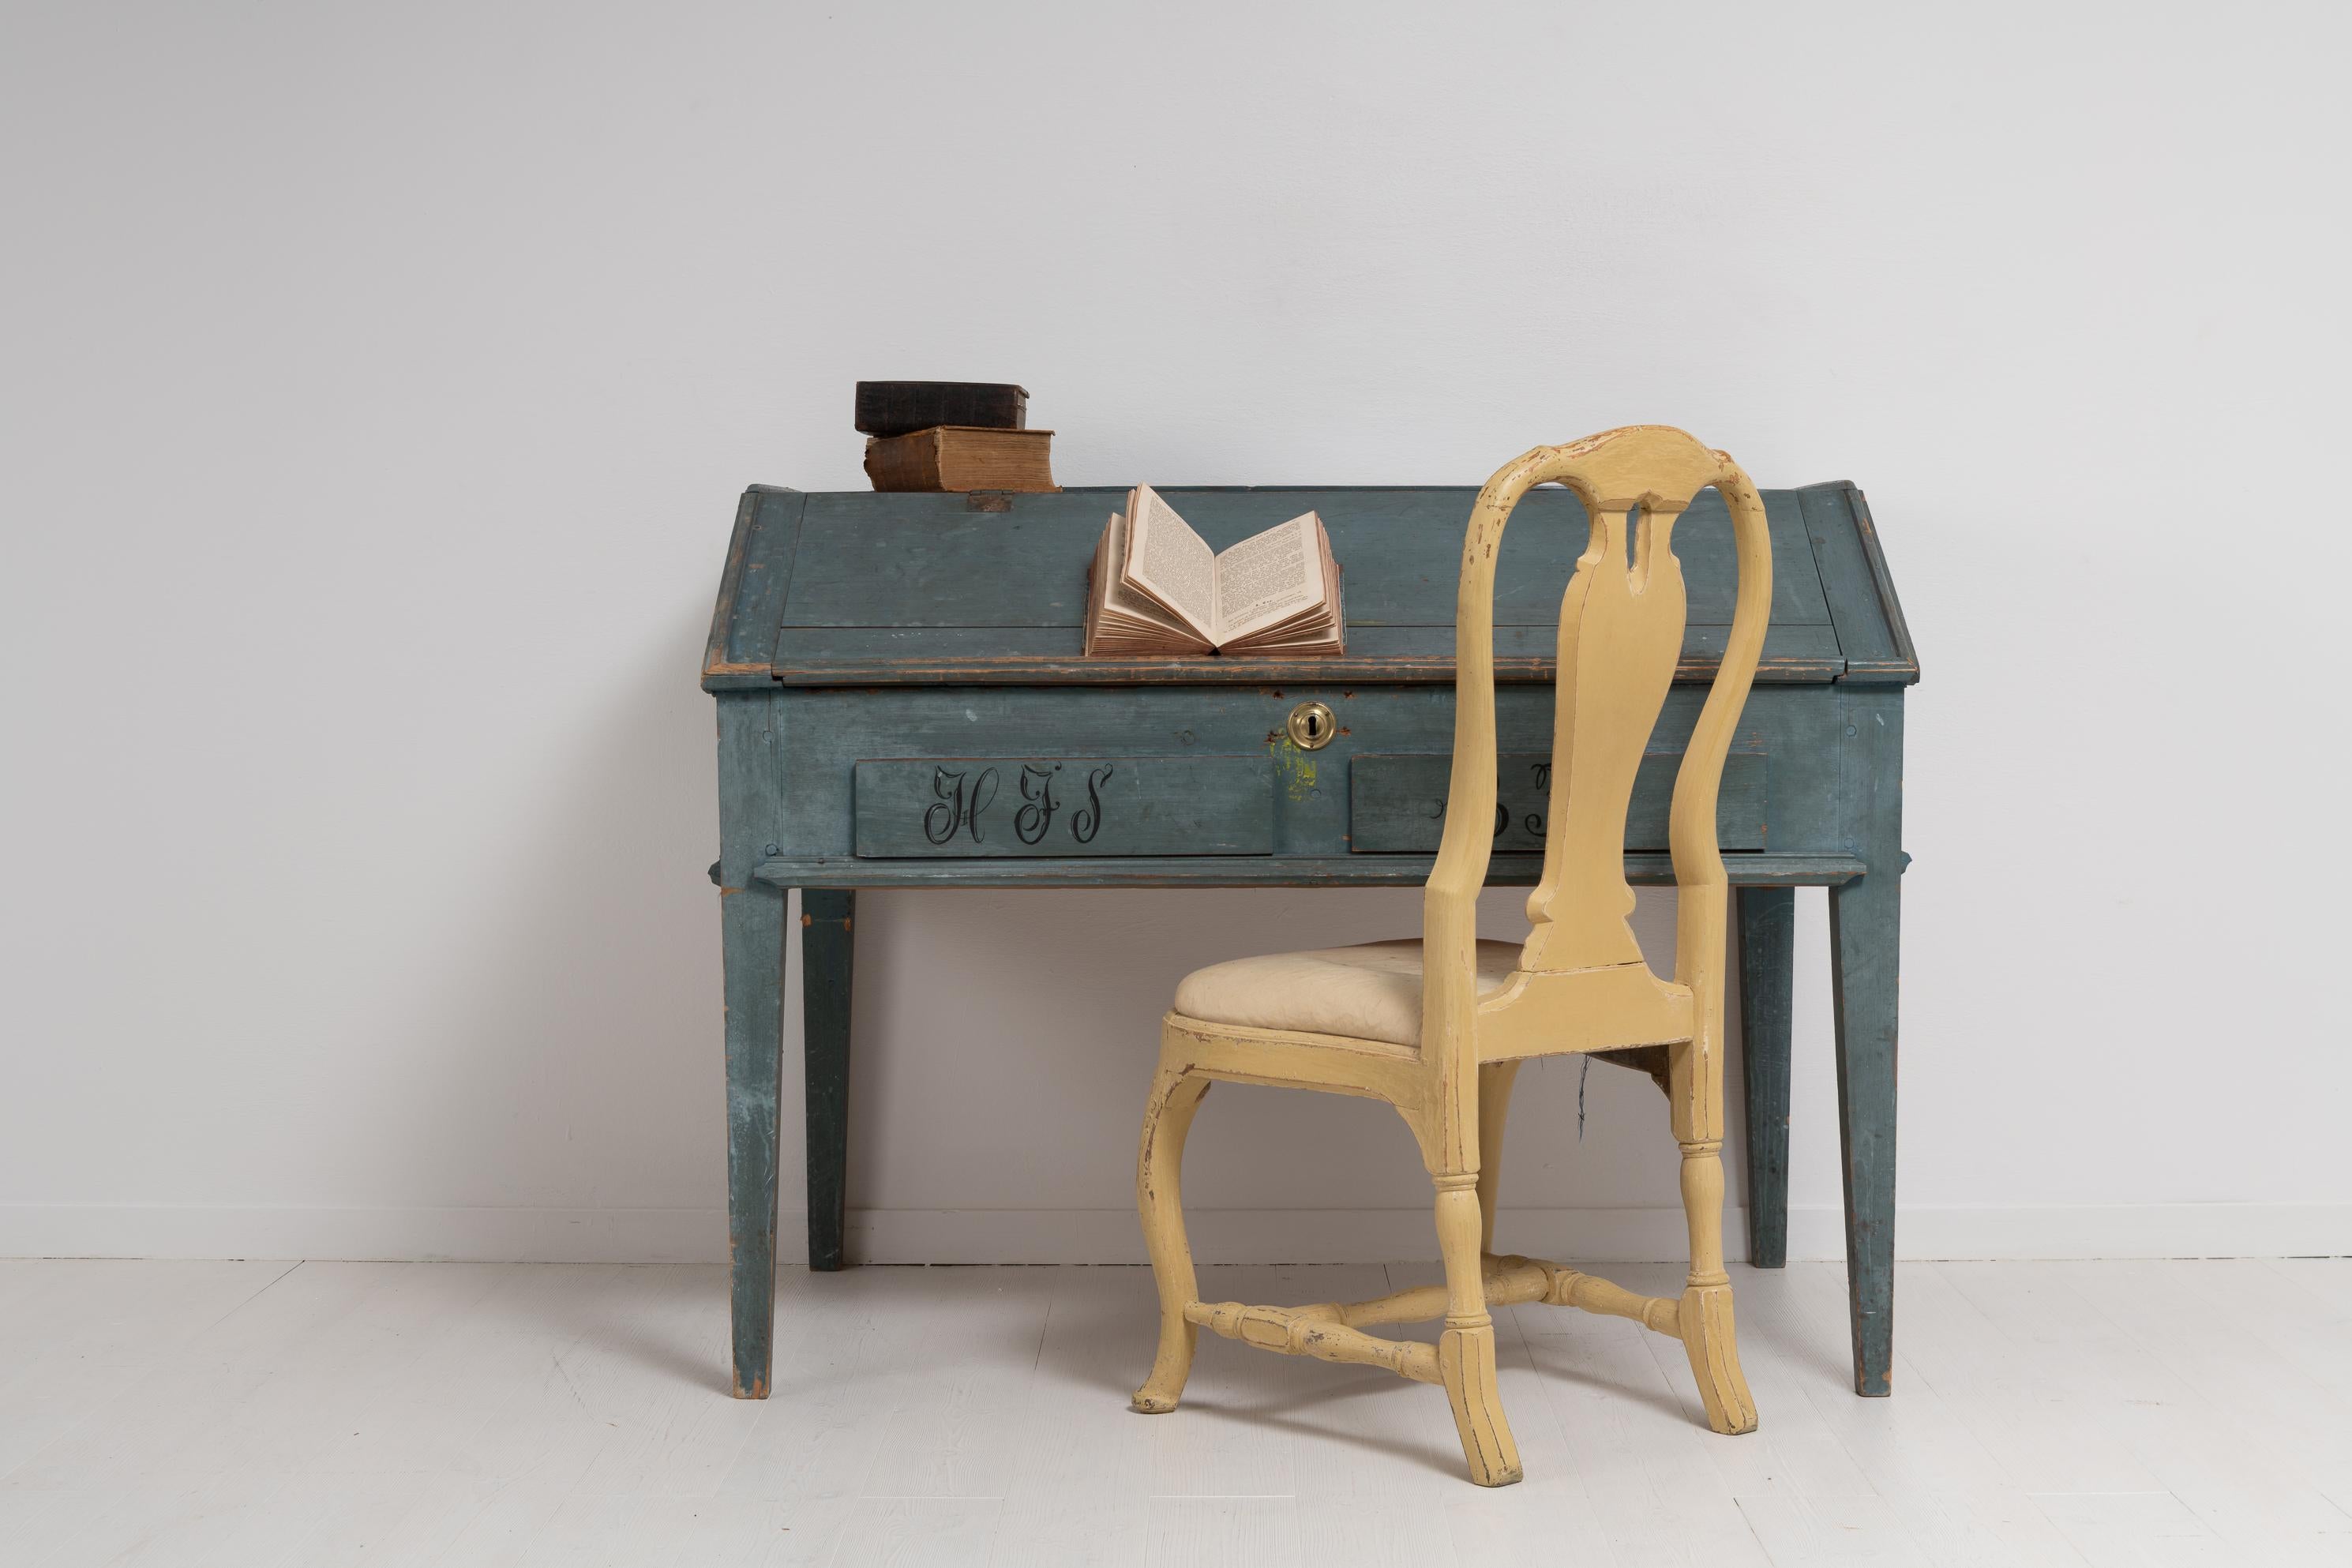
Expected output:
{"points": [[902, 407]]}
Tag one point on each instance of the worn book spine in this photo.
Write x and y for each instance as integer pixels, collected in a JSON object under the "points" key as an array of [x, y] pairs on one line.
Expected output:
{"points": [[902, 407], [953, 457]]}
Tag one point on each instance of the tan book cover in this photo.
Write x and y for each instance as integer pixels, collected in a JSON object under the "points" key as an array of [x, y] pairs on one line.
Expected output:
{"points": [[962, 457]]}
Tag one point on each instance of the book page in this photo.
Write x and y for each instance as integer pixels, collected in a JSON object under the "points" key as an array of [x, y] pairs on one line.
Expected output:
{"points": [[1170, 562], [1123, 600], [1268, 579], [1318, 630], [1102, 582]]}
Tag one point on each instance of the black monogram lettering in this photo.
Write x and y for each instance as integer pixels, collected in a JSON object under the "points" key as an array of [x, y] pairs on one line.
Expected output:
{"points": [[955, 809], [1535, 821], [1087, 821], [1029, 824]]}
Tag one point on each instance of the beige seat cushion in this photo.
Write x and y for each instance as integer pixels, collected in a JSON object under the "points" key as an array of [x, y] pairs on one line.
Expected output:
{"points": [[1366, 992]]}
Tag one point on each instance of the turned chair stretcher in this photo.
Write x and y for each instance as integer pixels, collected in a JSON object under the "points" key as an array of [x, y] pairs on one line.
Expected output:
{"points": [[1437, 1028]]}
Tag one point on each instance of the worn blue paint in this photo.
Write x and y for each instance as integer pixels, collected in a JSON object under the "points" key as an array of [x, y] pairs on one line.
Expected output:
{"points": [[844, 740], [827, 948], [752, 925], [1048, 805], [1398, 803], [1764, 931], [1865, 949], [1506, 871]]}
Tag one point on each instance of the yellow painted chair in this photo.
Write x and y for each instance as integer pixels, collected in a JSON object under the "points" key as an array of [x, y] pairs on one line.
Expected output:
{"points": [[1438, 1028]]}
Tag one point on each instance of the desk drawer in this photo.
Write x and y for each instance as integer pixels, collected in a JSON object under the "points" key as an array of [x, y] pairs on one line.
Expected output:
{"points": [[970, 807], [1396, 804]]}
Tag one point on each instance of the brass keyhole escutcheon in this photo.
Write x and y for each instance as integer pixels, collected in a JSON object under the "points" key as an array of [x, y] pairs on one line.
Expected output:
{"points": [[1312, 725]]}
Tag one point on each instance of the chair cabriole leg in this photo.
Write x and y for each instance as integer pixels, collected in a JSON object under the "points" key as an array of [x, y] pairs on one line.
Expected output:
{"points": [[1159, 1198]]}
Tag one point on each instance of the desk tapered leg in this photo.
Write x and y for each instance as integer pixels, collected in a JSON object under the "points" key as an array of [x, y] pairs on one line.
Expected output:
{"points": [[753, 921], [1767, 935], [1865, 931], [827, 947], [1866, 959]]}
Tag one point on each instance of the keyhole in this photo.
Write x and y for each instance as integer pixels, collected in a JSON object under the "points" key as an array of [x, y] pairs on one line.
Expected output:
{"points": [[1311, 726]]}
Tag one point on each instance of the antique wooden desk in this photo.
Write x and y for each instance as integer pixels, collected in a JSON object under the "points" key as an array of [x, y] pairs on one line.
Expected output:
{"points": [[902, 704]]}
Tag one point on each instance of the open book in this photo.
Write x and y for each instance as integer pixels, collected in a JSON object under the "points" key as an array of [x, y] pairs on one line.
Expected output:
{"points": [[1157, 588]]}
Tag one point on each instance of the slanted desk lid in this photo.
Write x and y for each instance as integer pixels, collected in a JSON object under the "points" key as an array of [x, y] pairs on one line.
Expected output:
{"points": [[857, 588]]}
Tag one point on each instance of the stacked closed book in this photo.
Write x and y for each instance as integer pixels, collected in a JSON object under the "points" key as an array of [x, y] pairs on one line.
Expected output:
{"points": [[953, 436]]}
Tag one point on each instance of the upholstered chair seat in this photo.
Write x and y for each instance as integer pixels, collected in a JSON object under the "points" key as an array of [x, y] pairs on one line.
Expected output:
{"points": [[1369, 992]]}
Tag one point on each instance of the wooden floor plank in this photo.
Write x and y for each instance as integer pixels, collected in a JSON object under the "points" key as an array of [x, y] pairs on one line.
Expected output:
{"points": [[1078, 1444], [86, 1335], [917, 1533], [1222, 1533], [1956, 1500], [1645, 1462], [2047, 1416], [943, 1411]]}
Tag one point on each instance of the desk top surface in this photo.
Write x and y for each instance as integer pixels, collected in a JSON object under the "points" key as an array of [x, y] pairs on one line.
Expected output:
{"points": [[857, 588]]}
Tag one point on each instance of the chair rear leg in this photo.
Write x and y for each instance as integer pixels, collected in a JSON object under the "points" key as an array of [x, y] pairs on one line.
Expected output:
{"points": [[1494, 1081], [1705, 1317], [1465, 1350], [1159, 1198]]}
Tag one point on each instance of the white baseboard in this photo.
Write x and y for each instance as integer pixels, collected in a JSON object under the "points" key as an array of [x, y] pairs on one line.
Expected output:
{"points": [[424, 1235], [1604, 1235], [1110, 1235]]}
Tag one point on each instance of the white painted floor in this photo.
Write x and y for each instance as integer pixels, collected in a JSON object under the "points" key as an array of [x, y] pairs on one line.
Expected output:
{"points": [[257, 1414]]}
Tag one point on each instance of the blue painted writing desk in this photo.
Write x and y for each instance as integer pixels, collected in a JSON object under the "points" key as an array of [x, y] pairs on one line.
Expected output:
{"points": [[902, 703]]}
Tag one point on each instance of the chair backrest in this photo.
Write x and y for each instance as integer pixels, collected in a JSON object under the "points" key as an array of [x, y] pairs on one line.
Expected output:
{"points": [[1621, 638]]}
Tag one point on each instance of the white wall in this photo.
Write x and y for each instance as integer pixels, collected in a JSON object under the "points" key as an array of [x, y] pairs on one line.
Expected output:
{"points": [[379, 383]]}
